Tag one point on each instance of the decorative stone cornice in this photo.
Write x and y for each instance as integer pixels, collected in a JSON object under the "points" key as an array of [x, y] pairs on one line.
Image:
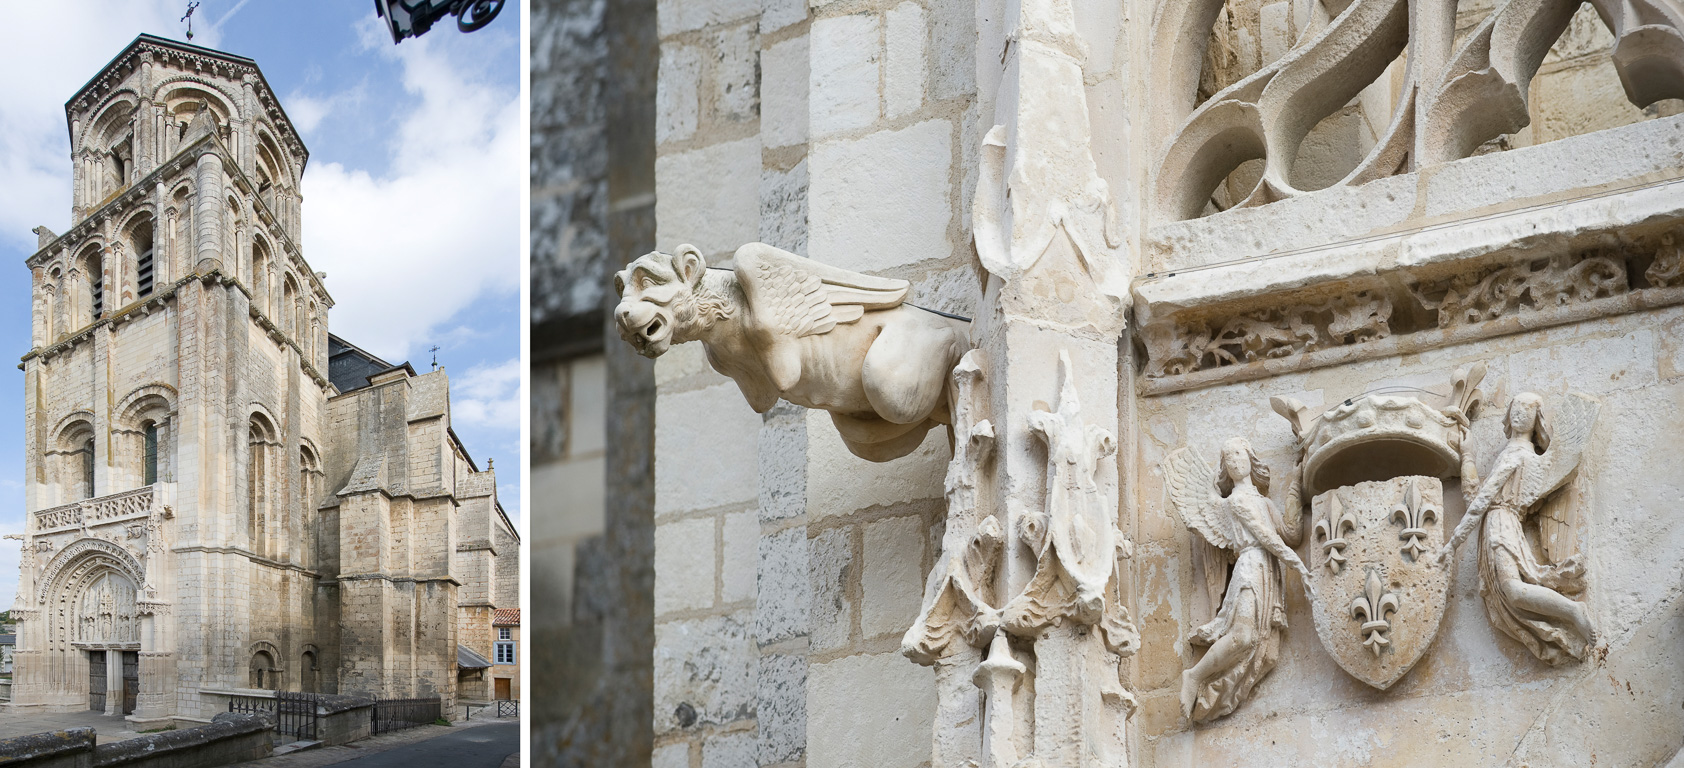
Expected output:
{"points": [[1412, 308]]}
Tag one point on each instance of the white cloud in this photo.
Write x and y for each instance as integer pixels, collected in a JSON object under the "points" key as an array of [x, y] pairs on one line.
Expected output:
{"points": [[59, 46], [443, 228], [487, 396]]}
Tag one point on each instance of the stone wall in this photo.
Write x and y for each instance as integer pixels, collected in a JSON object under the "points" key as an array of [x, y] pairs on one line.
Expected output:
{"points": [[787, 572], [863, 121]]}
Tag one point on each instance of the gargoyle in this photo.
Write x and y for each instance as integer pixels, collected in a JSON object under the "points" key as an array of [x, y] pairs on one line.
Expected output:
{"points": [[783, 326]]}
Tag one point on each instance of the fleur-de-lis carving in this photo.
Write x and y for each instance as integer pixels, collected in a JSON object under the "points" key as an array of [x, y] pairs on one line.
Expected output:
{"points": [[1414, 512], [1371, 608], [1331, 530]]}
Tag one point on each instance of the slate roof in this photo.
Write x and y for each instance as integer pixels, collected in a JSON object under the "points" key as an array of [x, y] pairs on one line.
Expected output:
{"points": [[467, 659]]}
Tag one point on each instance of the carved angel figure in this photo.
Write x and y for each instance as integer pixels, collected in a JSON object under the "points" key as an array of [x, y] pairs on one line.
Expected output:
{"points": [[1231, 511], [1525, 598], [783, 326]]}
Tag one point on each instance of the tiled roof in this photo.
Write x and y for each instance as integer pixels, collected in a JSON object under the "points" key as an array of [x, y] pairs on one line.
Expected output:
{"points": [[506, 617]]}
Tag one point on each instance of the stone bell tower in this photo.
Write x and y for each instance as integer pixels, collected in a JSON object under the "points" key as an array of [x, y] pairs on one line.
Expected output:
{"points": [[176, 388]]}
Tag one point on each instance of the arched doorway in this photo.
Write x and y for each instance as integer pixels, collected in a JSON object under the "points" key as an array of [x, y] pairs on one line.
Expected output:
{"points": [[93, 623]]}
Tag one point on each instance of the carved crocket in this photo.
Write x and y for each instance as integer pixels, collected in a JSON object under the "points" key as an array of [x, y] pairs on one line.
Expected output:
{"points": [[783, 326]]}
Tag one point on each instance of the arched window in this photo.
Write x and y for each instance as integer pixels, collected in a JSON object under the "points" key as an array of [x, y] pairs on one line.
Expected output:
{"points": [[289, 298], [144, 272], [149, 459], [263, 672], [87, 479], [96, 284], [260, 485], [308, 487], [260, 277], [307, 672]]}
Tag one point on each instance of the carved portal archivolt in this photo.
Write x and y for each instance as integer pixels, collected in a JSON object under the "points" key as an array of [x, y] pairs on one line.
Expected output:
{"points": [[90, 594]]}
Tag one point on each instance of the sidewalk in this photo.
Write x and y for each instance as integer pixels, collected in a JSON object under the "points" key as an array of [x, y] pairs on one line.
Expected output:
{"points": [[374, 745]]}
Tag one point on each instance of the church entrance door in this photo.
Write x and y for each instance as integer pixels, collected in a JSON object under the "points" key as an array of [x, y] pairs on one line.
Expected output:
{"points": [[96, 681], [131, 680]]}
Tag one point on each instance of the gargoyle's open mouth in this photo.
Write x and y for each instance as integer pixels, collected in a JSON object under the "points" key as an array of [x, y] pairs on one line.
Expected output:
{"points": [[652, 331]]}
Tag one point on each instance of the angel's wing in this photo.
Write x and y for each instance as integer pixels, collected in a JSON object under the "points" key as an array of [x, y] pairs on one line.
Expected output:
{"points": [[1572, 424], [1193, 493], [795, 296]]}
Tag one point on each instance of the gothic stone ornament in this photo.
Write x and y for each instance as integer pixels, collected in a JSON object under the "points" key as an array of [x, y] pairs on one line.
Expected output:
{"points": [[1525, 598], [1076, 541], [1245, 542], [783, 326], [1378, 614], [958, 591]]}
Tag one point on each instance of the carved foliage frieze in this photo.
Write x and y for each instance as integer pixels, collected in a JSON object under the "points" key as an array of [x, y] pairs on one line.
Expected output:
{"points": [[1419, 308]]}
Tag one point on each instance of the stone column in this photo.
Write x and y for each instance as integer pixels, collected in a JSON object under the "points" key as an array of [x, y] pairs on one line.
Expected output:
{"points": [[1047, 335], [207, 211], [113, 682]]}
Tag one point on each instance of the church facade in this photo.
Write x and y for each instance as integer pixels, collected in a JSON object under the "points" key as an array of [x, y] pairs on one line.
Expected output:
{"points": [[220, 495]]}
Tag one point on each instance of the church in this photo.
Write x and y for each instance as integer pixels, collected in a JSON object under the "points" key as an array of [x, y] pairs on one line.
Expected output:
{"points": [[221, 495]]}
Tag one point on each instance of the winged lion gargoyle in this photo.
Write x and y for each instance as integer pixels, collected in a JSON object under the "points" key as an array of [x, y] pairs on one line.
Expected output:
{"points": [[783, 326]]}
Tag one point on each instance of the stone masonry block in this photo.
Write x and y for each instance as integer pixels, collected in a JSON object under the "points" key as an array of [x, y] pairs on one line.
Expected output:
{"points": [[831, 568], [782, 708], [871, 710], [671, 756], [736, 73], [783, 93], [730, 750], [783, 462], [710, 197], [903, 74], [839, 482], [777, 14], [704, 450], [893, 576], [846, 54], [908, 219], [677, 105], [675, 16], [953, 46], [783, 208], [684, 565], [704, 672], [783, 595], [738, 556]]}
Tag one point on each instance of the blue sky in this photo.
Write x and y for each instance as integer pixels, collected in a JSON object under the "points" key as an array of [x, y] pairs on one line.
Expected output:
{"points": [[411, 195]]}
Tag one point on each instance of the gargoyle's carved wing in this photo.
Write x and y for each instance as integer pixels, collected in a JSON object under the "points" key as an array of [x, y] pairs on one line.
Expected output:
{"points": [[796, 296], [791, 297], [1572, 425], [1193, 493]]}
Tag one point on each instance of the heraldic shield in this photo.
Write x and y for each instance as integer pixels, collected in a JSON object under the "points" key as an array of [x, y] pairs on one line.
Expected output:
{"points": [[1379, 596]]}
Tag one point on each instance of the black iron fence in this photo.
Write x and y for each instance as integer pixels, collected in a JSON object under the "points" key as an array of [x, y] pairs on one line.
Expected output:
{"points": [[508, 708], [294, 714], [397, 714]]}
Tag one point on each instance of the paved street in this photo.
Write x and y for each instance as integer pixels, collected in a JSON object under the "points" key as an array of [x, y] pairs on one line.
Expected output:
{"points": [[472, 744], [109, 728]]}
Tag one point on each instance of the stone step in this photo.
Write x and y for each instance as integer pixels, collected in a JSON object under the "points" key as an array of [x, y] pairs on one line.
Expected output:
{"points": [[296, 746]]}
